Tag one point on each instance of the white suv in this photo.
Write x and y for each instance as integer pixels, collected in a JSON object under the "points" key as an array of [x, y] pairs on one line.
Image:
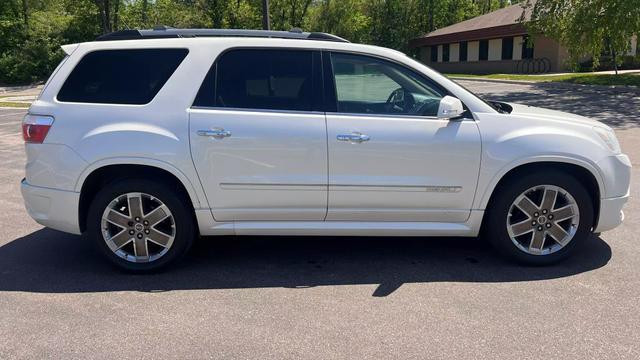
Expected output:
{"points": [[145, 139]]}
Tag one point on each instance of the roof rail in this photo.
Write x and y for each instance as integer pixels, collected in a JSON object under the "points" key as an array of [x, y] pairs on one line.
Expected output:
{"points": [[164, 32]]}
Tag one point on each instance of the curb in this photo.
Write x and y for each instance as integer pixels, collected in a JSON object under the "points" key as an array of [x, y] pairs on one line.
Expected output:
{"points": [[552, 83], [504, 81], [6, 89]]}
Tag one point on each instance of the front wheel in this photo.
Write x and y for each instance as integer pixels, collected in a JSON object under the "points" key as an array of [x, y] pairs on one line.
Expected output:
{"points": [[540, 218], [140, 225]]}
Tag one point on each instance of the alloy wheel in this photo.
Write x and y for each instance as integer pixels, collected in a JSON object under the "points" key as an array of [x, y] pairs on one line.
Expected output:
{"points": [[543, 219], [138, 227]]}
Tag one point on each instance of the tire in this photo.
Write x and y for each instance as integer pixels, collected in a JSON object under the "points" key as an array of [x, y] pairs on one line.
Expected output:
{"points": [[505, 219], [160, 237]]}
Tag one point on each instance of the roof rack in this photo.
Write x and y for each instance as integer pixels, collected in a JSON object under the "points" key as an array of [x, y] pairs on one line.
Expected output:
{"points": [[164, 32]]}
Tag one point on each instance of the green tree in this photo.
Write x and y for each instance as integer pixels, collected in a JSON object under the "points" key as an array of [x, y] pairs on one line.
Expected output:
{"points": [[31, 31], [287, 14], [587, 27], [346, 18], [243, 14]]}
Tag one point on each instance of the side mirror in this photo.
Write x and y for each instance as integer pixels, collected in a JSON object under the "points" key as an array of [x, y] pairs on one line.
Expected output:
{"points": [[450, 108]]}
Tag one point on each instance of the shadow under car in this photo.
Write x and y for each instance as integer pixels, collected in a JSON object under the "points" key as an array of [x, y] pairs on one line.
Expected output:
{"points": [[48, 261]]}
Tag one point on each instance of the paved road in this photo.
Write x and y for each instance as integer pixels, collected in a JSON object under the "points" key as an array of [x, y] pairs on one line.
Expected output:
{"points": [[322, 297]]}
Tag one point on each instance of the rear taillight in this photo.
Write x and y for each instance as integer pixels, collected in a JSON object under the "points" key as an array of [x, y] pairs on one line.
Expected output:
{"points": [[35, 128]]}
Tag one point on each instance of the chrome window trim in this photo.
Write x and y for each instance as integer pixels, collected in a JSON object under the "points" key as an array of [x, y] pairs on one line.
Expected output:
{"points": [[393, 116], [217, 108], [299, 112], [323, 50]]}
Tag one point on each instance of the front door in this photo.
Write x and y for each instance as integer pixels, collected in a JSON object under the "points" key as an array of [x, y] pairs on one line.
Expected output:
{"points": [[258, 143], [390, 157]]}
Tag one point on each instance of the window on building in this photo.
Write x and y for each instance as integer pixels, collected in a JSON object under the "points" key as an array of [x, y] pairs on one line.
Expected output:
{"points": [[463, 50], [434, 53], [260, 79], [507, 48], [445, 53], [131, 76], [484, 50], [368, 85], [527, 49]]}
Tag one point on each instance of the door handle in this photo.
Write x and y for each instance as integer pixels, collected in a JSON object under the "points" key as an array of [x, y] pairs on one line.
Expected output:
{"points": [[217, 133], [356, 137]]}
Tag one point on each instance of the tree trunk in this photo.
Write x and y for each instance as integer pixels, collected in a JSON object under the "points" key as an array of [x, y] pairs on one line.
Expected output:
{"points": [[292, 13], [615, 62], [265, 15], [116, 10], [295, 18], [105, 15], [431, 25], [215, 9], [145, 16]]}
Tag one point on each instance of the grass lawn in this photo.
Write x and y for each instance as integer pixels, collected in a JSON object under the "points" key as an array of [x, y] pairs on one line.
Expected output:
{"points": [[13, 104], [578, 78]]}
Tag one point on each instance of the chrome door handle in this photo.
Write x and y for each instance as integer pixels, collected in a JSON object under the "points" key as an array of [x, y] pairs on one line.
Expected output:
{"points": [[355, 137], [216, 133]]}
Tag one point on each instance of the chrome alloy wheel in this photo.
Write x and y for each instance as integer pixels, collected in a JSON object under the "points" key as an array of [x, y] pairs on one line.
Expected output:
{"points": [[138, 227], [543, 219]]}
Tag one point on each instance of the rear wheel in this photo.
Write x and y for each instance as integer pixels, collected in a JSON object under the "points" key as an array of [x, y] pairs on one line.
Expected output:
{"points": [[540, 218], [140, 225]]}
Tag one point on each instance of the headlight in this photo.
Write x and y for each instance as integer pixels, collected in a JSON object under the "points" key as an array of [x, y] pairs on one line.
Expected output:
{"points": [[609, 137]]}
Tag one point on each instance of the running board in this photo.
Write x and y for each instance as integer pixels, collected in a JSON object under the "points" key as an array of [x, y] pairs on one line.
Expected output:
{"points": [[342, 228]]}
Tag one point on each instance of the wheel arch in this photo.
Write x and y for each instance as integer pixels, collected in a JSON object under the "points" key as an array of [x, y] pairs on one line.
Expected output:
{"points": [[96, 176], [583, 172]]}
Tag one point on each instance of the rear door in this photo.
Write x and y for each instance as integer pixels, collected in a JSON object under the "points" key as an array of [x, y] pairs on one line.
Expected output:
{"points": [[258, 136]]}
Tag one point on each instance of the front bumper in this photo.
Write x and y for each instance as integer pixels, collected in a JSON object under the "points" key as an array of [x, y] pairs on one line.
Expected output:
{"points": [[56, 209], [616, 173], [611, 214], [616, 182]]}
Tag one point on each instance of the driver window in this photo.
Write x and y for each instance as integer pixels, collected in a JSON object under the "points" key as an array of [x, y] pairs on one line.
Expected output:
{"points": [[367, 85]]}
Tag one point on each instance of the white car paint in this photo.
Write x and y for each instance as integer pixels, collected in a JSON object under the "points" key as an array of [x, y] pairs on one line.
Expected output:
{"points": [[284, 173], [275, 164]]}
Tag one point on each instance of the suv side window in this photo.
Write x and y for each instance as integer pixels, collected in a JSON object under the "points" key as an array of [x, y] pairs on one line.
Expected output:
{"points": [[132, 76], [272, 79], [369, 85]]}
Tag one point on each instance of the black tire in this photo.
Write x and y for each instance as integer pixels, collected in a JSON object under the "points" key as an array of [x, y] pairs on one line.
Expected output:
{"points": [[178, 204], [495, 226]]}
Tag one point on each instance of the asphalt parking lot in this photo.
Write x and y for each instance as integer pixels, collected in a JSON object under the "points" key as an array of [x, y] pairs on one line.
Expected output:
{"points": [[327, 298]]}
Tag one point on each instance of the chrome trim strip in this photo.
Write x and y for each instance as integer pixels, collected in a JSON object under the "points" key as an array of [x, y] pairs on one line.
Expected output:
{"points": [[258, 186], [403, 188], [341, 187]]}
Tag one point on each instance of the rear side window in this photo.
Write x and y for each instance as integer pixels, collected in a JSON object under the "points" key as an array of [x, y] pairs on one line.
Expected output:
{"points": [[121, 76], [271, 79]]}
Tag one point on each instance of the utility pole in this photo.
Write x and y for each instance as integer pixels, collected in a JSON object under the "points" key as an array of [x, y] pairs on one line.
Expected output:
{"points": [[265, 15]]}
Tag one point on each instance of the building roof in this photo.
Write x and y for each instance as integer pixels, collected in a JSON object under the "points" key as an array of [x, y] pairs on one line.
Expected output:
{"points": [[500, 23]]}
